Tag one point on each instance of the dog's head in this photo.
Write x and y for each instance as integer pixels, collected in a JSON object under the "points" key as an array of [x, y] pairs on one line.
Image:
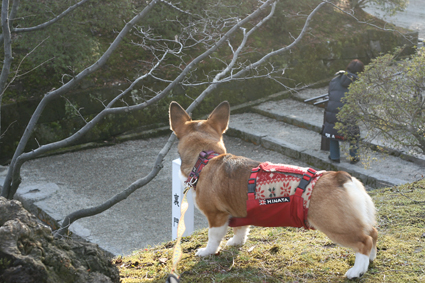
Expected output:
{"points": [[198, 135]]}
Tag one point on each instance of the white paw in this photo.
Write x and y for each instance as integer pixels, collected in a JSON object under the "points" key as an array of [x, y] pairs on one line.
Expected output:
{"points": [[204, 252], [353, 273], [235, 241], [360, 266]]}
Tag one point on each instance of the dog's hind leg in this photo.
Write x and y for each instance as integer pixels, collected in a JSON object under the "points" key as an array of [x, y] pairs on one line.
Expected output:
{"points": [[218, 228], [374, 235], [240, 235], [363, 251], [341, 208], [362, 244]]}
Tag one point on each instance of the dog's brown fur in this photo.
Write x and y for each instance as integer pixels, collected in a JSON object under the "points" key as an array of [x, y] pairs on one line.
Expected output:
{"points": [[339, 205]]}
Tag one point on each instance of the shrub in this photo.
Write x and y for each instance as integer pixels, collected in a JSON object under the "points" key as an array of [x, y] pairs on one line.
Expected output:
{"points": [[388, 102]]}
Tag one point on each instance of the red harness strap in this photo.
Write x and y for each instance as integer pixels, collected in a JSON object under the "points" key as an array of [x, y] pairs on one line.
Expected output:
{"points": [[203, 159], [278, 211], [298, 211]]}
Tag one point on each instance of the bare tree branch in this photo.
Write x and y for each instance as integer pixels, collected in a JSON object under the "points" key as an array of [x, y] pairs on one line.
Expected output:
{"points": [[176, 8], [12, 180], [13, 177], [283, 49], [7, 61], [77, 111], [69, 219], [370, 24], [2, 135], [19, 65], [14, 10], [158, 164], [52, 21], [7, 45], [40, 26]]}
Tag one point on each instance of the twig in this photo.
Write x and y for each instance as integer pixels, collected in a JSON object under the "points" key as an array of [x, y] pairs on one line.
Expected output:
{"points": [[2, 135], [20, 63], [233, 263], [75, 108], [370, 24], [415, 201]]}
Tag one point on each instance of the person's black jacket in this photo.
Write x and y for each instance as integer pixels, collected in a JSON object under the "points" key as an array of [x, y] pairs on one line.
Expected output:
{"points": [[338, 87]]}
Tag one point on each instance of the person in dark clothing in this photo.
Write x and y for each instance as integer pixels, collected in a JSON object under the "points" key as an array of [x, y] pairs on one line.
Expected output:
{"points": [[338, 87]]}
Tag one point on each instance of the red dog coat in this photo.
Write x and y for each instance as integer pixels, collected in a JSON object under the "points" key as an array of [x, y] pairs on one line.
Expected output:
{"points": [[277, 197]]}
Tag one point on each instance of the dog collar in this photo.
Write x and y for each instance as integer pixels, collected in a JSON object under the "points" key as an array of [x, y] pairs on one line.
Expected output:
{"points": [[203, 159]]}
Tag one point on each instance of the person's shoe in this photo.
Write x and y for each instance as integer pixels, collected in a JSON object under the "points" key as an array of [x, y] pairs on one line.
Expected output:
{"points": [[333, 160], [354, 160]]}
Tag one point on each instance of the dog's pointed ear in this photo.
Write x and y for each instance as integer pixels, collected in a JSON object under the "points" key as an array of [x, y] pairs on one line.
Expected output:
{"points": [[219, 118], [178, 118]]}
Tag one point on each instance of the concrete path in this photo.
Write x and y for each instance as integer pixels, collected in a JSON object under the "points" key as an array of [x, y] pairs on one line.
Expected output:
{"points": [[284, 131], [55, 186]]}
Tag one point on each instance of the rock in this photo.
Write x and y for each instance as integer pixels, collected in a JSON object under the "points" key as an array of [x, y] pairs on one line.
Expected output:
{"points": [[29, 253]]}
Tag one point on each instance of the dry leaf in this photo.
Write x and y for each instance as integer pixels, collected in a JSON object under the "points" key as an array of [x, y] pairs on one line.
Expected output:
{"points": [[251, 248], [163, 260]]}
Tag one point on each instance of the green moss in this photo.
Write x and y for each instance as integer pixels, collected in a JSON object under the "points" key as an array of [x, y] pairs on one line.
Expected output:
{"points": [[4, 263]]}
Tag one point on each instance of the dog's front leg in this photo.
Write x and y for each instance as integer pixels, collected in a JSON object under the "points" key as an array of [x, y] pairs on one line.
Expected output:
{"points": [[215, 235], [240, 235]]}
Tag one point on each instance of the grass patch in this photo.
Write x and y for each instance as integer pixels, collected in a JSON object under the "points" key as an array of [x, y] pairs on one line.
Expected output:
{"points": [[297, 255]]}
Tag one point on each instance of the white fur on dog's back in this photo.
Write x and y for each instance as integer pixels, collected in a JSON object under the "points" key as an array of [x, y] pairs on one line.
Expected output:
{"points": [[361, 202]]}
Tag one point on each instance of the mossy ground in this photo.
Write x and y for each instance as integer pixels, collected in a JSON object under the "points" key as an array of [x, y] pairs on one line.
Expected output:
{"points": [[297, 255]]}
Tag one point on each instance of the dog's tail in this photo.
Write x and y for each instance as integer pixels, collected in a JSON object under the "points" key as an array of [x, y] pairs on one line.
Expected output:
{"points": [[362, 202]]}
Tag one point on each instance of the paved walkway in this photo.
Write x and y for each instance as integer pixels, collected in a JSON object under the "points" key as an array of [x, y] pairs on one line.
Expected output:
{"points": [[283, 131], [55, 186]]}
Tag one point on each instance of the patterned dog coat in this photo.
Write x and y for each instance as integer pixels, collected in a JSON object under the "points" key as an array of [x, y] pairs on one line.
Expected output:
{"points": [[278, 196]]}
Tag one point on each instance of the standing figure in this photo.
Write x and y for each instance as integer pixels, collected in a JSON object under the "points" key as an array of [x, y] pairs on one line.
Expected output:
{"points": [[338, 87]]}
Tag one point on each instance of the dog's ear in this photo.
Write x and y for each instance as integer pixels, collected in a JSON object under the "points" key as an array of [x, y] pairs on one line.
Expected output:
{"points": [[219, 118], [178, 118]]}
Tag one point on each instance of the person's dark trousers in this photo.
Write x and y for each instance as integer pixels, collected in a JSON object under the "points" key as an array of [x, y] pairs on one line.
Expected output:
{"points": [[354, 150], [334, 149], [335, 153]]}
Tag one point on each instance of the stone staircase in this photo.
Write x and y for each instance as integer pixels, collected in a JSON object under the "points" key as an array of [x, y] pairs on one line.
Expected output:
{"points": [[291, 127]]}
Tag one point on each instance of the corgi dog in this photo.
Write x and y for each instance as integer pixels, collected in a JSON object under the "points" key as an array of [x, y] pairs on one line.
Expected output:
{"points": [[339, 205]]}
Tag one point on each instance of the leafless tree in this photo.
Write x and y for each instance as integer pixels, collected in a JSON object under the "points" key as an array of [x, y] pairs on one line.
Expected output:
{"points": [[206, 33]]}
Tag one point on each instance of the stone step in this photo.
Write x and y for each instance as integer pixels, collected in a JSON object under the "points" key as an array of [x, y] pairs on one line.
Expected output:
{"points": [[310, 117], [303, 143]]}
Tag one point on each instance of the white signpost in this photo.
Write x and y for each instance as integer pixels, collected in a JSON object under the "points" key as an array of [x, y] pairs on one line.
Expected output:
{"points": [[176, 202]]}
